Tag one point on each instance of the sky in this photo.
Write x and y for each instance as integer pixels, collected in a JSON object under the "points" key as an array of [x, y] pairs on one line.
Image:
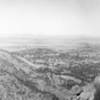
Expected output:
{"points": [[49, 18]]}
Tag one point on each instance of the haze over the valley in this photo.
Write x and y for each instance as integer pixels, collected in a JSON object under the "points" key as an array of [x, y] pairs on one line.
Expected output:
{"points": [[22, 21]]}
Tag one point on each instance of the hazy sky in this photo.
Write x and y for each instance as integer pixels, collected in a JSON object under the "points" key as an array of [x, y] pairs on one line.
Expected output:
{"points": [[68, 18]]}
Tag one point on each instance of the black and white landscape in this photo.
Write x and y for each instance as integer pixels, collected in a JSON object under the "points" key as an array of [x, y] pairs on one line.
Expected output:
{"points": [[49, 49]]}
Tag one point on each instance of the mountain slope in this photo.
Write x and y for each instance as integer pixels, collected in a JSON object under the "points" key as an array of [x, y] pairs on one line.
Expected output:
{"points": [[47, 74]]}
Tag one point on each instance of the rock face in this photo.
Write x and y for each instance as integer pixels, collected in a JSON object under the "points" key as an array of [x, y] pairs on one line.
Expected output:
{"points": [[45, 74], [97, 88]]}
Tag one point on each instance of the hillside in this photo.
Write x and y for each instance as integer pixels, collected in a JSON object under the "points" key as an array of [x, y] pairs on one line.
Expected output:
{"points": [[48, 74]]}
